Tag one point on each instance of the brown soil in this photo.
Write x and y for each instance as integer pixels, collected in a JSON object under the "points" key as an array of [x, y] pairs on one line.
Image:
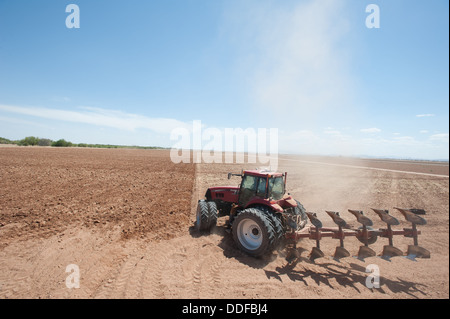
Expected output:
{"points": [[125, 218]]}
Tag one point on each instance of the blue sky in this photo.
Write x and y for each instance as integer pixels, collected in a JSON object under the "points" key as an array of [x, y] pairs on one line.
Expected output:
{"points": [[135, 70]]}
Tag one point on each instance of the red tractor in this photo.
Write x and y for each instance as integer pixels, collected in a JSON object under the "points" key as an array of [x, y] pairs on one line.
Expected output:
{"points": [[260, 211], [262, 216]]}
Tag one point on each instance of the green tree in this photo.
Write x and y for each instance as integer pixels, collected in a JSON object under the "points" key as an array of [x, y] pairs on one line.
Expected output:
{"points": [[62, 143], [45, 142], [29, 141]]}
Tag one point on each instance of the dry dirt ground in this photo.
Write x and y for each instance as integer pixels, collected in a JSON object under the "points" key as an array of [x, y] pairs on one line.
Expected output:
{"points": [[125, 218]]}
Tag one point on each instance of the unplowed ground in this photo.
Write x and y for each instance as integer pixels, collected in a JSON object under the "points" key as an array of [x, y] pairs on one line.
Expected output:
{"points": [[125, 218]]}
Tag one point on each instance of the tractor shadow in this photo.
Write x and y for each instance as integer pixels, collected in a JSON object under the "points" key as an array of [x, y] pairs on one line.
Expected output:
{"points": [[229, 248], [337, 275]]}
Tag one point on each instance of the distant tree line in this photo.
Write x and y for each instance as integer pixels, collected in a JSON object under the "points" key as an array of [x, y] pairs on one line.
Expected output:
{"points": [[36, 141]]}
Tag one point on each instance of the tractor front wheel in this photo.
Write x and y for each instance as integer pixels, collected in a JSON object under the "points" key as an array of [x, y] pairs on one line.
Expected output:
{"points": [[253, 232]]}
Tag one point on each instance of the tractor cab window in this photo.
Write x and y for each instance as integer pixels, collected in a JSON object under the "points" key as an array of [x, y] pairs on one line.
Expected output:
{"points": [[261, 190], [248, 189], [249, 182], [276, 187]]}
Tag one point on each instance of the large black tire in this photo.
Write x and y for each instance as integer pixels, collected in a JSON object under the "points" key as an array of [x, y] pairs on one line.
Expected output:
{"points": [[213, 213], [277, 225], [206, 215], [253, 232], [300, 210]]}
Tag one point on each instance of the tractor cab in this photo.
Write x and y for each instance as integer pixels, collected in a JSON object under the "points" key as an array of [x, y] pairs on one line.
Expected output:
{"points": [[263, 185]]}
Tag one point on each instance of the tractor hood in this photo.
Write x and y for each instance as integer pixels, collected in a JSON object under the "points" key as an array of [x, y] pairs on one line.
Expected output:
{"points": [[281, 204], [224, 193], [278, 205]]}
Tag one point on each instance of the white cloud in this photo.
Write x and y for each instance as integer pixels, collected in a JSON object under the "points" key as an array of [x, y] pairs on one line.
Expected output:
{"points": [[423, 131], [371, 130], [424, 115], [408, 139], [100, 117], [332, 132], [442, 137]]}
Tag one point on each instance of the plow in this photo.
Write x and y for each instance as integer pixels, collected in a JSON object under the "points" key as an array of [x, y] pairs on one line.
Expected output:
{"points": [[365, 234], [263, 217]]}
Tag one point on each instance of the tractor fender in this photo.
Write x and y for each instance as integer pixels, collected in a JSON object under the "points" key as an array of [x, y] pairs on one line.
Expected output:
{"points": [[288, 201], [259, 201]]}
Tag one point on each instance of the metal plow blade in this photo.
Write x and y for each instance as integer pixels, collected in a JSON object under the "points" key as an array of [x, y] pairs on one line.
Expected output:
{"points": [[390, 251], [314, 220], [316, 253], [363, 220], [365, 252], [411, 215], [366, 234], [417, 252], [337, 219], [385, 217], [341, 252]]}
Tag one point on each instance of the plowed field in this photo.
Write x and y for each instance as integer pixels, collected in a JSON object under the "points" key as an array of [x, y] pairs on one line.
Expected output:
{"points": [[125, 218]]}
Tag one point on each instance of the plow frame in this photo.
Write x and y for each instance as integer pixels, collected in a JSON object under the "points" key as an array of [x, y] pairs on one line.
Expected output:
{"points": [[314, 233]]}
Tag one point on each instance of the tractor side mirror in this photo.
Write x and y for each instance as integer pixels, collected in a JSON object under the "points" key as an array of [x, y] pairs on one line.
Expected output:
{"points": [[231, 174]]}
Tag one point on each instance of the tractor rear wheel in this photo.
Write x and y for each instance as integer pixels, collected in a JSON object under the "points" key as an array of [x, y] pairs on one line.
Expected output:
{"points": [[206, 217], [277, 226], [300, 210], [213, 213], [253, 232]]}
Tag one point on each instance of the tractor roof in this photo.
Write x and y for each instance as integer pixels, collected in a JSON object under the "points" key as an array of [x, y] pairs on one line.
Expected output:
{"points": [[263, 173]]}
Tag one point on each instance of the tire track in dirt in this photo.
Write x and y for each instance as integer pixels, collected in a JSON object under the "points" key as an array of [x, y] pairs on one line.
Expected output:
{"points": [[107, 288], [17, 281], [134, 287], [33, 267], [213, 278], [123, 283]]}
